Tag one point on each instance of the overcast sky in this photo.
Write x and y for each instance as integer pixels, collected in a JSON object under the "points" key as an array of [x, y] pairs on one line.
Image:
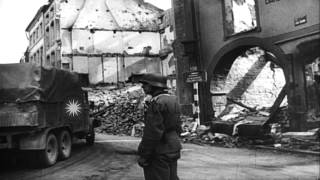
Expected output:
{"points": [[15, 15]]}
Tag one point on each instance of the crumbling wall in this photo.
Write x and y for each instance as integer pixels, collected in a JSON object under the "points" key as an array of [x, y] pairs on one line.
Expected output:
{"points": [[109, 42], [251, 81], [82, 42], [167, 37], [169, 65], [115, 26], [81, 64], [240, 16], [130, 65], [134, 14], [168, 60], [110, 69], [95, 70], [113, 69], [126, 42], [108, 39]]}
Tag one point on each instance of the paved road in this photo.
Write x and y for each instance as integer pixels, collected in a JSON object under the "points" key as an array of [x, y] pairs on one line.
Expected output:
{"points": [[113, 158]]}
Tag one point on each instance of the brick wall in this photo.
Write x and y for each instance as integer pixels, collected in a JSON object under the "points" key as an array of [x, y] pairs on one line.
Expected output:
{"points": [[251, 80]]}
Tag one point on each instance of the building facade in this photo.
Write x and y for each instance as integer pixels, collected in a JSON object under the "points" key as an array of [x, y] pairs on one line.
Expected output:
{"points": [[211, 34], [35, 52], [104, 41], [52, 38]]}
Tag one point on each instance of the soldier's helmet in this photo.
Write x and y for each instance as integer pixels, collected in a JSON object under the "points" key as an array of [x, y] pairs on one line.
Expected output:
{"points": [[152, 79]]}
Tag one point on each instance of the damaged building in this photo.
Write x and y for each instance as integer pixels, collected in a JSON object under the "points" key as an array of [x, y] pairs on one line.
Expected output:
{"points": [[250, 56], [254, 55], [103, 40]]}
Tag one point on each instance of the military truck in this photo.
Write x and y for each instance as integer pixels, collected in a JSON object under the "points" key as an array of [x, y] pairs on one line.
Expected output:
{"points": [[41, 110]]}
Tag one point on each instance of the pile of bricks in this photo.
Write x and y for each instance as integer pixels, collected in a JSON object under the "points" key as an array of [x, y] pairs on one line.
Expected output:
{"points": [[227, 131], [119, 110]]}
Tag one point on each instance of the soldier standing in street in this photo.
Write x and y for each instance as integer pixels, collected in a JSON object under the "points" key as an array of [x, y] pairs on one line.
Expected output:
{"points": [[159, 149]]}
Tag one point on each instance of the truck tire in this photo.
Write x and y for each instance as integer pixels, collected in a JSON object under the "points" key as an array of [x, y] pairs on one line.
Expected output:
{"points": [[65, 144], [90, 137], [49, 155]]}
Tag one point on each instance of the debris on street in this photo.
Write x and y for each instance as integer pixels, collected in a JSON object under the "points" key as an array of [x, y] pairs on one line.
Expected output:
{"points": [[246, 129], [308, 140], [193, 133], [119, 109]]}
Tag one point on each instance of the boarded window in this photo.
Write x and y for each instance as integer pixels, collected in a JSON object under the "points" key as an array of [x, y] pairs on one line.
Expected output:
{"points": [[240, 16]]}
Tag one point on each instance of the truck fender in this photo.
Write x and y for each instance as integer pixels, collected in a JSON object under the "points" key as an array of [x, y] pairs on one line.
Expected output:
{"points": [[35, 141]]}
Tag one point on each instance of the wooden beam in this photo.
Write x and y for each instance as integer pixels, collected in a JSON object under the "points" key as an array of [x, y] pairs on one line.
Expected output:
{"points": [[241, 104], [275, 107]]}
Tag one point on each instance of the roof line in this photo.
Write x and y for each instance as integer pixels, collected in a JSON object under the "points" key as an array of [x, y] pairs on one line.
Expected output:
{"points": [[40, 10]]}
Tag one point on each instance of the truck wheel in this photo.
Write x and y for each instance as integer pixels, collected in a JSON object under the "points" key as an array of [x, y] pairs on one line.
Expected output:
{"points": [[65, 144], [49, 155], [90, 137]]}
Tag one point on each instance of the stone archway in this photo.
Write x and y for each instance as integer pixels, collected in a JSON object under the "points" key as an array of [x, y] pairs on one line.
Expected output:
{"points": [[227, 55]]}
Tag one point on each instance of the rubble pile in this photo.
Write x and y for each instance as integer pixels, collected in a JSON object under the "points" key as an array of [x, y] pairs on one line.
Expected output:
{"points": [[308, 140], [119, 110], [192, 133], [252, 116], [228, 135], [282, 118], [224, 131]]}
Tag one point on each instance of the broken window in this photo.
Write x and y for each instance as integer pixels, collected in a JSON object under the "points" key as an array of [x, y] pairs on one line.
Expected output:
{"points": [[239, 16]]}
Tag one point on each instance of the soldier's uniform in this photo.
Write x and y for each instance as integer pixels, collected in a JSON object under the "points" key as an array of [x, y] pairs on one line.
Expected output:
{"points": [[160, 145]]}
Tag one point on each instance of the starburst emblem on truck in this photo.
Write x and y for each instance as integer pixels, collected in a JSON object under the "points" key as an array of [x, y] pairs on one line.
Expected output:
{"points": [[73, 108]]}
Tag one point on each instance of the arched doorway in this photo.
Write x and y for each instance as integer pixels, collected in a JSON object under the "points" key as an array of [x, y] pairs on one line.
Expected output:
{"points": [[245, 73]]}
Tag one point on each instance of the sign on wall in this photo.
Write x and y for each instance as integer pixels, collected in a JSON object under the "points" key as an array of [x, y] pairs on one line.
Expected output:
{"points": [[195, 76]]}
